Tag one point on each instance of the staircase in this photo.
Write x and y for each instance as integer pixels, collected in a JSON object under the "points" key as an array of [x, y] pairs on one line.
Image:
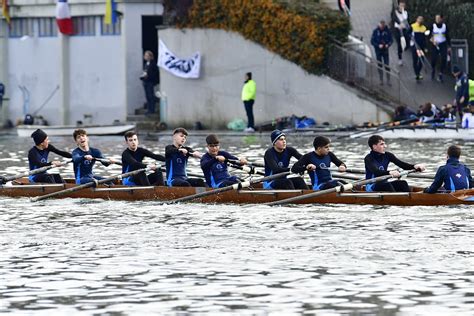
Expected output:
{"points": [[146, 122]]}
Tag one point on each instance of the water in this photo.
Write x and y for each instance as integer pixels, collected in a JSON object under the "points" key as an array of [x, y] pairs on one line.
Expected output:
{"points": [[87, 257]]}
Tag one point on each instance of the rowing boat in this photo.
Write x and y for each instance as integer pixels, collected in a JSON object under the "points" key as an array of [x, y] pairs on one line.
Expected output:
{"points": [[67, 130], [246, 196]]}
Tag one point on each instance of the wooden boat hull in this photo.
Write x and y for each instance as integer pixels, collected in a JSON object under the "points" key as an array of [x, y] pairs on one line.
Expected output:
{"points": [[66, 130], [256, 196]]}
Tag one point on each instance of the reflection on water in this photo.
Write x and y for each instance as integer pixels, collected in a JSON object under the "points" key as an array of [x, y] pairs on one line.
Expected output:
{"points": [[112, 257]]}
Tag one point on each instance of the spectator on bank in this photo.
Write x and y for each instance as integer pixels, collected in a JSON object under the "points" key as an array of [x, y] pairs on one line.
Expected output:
{"points": [[403, 113], [418, 45], [462, 90], [468, 117], [441, 46], [150, 78], [381, 40], [401, 29], [249, 90]]}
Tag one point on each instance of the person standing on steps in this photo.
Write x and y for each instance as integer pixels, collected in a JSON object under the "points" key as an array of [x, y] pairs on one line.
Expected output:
{"points": [[441, 46], [150, 78], [401, 29], [462, 91], [249, 90], [418, 45], [381, 40]]}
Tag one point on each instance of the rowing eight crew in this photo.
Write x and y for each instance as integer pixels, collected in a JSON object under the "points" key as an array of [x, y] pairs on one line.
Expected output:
{"points": [[454, 175]]}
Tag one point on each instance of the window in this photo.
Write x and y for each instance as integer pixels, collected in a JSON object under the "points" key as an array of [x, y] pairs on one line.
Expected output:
{"points": [[110, 29], [84, 25], [47, 27], [20, 27]]}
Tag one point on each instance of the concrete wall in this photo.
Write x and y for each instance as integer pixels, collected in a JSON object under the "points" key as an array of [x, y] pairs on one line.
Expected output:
{"points": [[283, 88]]}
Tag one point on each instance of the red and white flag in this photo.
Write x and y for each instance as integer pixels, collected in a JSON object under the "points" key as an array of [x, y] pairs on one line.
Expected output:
{"points": [[63, 18]]}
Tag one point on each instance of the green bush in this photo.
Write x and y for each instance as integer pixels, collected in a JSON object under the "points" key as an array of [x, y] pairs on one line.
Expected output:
{"points": [[297, 30]]}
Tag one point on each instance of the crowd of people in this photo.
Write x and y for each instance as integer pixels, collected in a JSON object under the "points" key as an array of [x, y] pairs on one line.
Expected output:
{"points": [[215, 162]]}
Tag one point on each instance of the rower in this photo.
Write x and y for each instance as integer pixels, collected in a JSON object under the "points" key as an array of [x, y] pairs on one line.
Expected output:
{"points": [[132, 158], [317, 164], [38, 157], [454, 175], [83, 158], [176, 156], [277, 160], [214, 164], [376, 165]]}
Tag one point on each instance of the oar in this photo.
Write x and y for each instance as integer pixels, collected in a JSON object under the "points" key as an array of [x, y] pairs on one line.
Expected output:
{"points": [[362, 171], [236, 186], [339, 188], [4, 180], [160, 168], [249, 170], [89, 184], [382, 128], [254, 164]]}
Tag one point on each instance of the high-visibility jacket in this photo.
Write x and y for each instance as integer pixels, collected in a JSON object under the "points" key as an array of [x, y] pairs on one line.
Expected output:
{"points": [[249, 90], [471, 90]]}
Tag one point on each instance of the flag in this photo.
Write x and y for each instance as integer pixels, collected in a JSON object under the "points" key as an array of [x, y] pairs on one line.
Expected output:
{"points": [[110, 12], [5, 12], [63, 18]]}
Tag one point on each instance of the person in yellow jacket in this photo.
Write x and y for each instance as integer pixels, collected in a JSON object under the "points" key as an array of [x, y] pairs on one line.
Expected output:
{"points": [[249, 91]]}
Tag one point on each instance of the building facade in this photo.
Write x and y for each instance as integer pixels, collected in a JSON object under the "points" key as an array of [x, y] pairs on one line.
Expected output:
{"points": [[91, 76]]}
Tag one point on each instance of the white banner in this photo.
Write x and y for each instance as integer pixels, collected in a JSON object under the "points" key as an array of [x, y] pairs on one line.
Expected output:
{"points": [[184, 68]]}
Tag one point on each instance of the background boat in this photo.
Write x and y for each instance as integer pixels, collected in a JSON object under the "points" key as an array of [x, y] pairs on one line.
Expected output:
{"points": [[67, 130]]}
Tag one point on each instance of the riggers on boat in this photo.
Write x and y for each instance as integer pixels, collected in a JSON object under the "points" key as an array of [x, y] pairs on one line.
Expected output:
{"points": [[21, 188]]}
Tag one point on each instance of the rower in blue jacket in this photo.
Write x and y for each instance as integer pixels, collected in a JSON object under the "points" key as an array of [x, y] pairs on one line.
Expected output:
{"points": [[38, 158], [454, 175], [317, 164], [277, 160], [176, 156], [376, 165], [132, 159], [84, 157], [214, 164]]}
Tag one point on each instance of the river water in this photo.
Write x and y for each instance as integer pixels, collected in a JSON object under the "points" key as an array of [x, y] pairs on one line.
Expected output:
{"points": [[93, 257]]}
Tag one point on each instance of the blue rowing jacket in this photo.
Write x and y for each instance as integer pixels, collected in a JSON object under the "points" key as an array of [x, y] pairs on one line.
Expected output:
{"points": [[83, 167], [454, 175], [276, 162], [322, 174], [176, 163], [39, 158], [376, 165], [214, 171]]}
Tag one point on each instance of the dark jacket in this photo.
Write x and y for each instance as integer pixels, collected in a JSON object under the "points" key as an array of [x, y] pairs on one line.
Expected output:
{"points": [[381, 37], [462, 88], [153, 75], [442, 175]]}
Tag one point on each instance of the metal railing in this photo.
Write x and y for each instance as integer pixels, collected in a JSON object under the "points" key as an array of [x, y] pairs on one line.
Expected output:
{"points": [[350, 64]]}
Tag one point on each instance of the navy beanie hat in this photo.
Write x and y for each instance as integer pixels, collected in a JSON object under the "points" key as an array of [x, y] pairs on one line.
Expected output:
{"points": [[456, 69], [39, 136], [276, 134]]}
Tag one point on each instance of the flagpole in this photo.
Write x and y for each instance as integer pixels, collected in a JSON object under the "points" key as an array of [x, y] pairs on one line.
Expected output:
{"points": [[64, 77]]}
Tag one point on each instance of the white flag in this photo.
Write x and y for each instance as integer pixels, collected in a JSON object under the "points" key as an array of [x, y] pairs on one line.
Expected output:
{"points": [[184, 68]]}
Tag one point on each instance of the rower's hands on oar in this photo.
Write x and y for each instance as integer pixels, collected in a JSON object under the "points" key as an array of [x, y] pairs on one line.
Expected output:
{"points": [[395, 173], [56, 163], [342, 168], [310, 167], [420, 167]]}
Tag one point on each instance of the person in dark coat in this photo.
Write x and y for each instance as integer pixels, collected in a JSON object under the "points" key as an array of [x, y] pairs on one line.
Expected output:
{"points": [[150, 78], [381, 40]]}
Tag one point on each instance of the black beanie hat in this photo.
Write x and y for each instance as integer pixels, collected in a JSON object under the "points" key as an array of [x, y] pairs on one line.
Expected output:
{"points": [[276, 134], [39, 136]]}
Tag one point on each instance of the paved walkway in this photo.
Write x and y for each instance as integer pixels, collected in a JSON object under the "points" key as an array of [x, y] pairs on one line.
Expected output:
{"points": [[365, 16]]}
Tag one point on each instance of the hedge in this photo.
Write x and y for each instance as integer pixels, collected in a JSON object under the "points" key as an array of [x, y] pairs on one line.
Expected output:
{"points": [[297, 30]]}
